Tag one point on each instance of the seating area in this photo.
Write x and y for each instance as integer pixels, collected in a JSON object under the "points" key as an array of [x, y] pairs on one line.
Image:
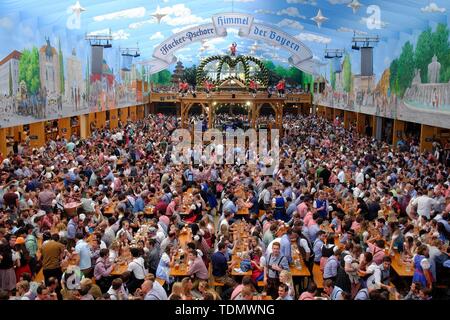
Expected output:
{"points": [[234, 151]]}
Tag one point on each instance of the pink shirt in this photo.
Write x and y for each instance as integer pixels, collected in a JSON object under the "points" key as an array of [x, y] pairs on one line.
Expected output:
{"points": [[355, 226], [306, 296], [302, 209], [236, 291], [378, 254]]}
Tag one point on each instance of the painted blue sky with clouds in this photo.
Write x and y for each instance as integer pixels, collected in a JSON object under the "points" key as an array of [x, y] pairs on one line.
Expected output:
{"points": [[26, 23]]}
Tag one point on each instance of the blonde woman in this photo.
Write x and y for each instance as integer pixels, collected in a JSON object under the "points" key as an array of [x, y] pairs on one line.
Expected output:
{"points": [[286, 278], [204, 288], [177, 289]]}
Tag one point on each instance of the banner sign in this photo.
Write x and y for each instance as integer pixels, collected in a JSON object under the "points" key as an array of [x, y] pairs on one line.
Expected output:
{"points": [[301, 56]]}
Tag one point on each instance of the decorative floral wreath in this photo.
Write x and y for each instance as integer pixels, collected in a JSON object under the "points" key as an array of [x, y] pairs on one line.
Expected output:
{"points": [[262, 78]]}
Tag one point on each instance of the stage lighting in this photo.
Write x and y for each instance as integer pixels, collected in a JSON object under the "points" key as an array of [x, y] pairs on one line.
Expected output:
{"points": [[355, 47]]}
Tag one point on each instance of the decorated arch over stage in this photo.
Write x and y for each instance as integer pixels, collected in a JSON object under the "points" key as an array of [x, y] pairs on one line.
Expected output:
{"points": [[301, 56]]}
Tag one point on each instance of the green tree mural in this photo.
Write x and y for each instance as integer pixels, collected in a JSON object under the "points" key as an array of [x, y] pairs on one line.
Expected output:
{"points": [[332, 77], [61, 69], [405, 68], [423, 54], [29, 71], [347, 70], [429, 43], [441, 48], [190, 74], [393, 76], [10, 81], [293, 76], [163, 77]]}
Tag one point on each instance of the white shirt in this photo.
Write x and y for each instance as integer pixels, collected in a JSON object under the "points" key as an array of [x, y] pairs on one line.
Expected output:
{"points": [[341, 176], [269, 247], [359, 178], [424, 205], [137, 267]]}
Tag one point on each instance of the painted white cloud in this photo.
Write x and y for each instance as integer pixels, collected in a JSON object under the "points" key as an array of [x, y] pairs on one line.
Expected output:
{"points": [[291, 11], [366, 20], [433, 8], [180, 15], [185, 49], [176, 30], [313, 38], [140, 24], [290, 24], [310, 2], [233, 31], [339, 1], [120, 35], [6, 23], [124, 14], [156, 36], [358, 32], [99, 32], [264, 11]]}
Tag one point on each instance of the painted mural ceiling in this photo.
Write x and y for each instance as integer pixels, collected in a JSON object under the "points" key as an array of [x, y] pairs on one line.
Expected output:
{"points": [[319, 24]]}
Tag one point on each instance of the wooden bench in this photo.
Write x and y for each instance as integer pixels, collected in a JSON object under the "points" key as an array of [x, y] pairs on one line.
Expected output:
{"points": [[212, 282], [317, 276]]}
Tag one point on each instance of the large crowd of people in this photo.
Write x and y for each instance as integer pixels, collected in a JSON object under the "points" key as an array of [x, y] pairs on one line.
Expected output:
{"points": [[112, 217]]}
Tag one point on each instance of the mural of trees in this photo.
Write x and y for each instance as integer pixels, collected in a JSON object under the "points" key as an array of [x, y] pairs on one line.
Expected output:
{"points": [[332, 77], [10, 81], [190, 74], [347, 70], [162, 78], [429, 43], [29, 70], [293, 76], [405, 68]]}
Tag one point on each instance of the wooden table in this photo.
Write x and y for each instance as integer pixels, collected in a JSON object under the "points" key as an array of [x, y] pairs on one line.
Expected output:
{"points": [[148, 211], [182, 271], [119, 269], [243, 212], [110, 208], [236, 262], [303, 272], [185, 237], [400, 267]]}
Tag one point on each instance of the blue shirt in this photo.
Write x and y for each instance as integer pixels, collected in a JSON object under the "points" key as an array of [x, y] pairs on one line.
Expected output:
{"points": [[84, 251], [71, 229], [312, 231], [229, 206], [138, 205], [285, 247], [330, 269], [317, 248], [219, 264]]}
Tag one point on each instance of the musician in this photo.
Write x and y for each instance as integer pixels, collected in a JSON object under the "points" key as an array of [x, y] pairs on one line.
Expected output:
{"points": [[183, 87], [253, 87], [233, 49], [281, 87]]}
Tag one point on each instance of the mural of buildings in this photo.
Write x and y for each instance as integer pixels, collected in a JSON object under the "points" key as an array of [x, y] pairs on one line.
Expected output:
{"points": [[49, 69], [9, 74], [74, 80]]}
